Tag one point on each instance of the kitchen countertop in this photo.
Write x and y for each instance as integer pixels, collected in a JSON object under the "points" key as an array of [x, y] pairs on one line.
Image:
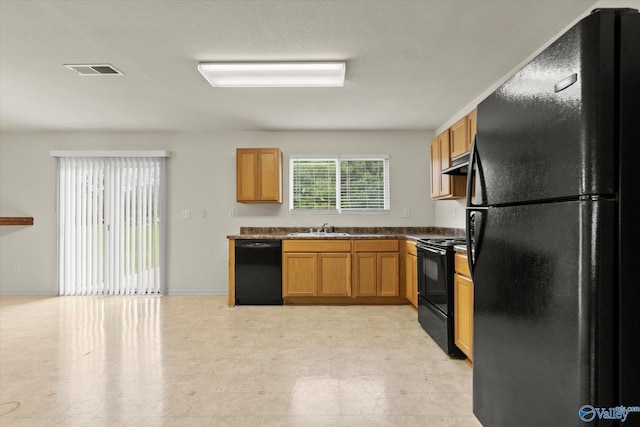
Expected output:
{"points": [[389, 233]]}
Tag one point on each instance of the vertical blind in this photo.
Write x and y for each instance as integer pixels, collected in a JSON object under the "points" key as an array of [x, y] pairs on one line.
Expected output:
{"points": [[110, 222]]}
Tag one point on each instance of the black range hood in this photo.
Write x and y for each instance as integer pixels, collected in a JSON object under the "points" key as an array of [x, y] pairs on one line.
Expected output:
{"points": [[459, 166]]}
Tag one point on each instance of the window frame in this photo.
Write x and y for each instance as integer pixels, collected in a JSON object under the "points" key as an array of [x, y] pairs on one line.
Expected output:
{"points": [[338, 158]]}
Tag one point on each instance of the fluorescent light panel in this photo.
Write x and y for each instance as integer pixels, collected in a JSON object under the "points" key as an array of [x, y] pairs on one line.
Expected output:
{"points": [[273, 74]]}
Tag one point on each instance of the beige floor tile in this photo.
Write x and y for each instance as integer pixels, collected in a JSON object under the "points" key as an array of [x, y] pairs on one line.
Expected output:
{"points": [[193, 361]]}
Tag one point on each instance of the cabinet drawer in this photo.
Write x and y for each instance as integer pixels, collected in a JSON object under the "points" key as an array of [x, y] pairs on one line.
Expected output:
{"points": [[411, 248], [375, 245], [316, 245], [461, 265]]}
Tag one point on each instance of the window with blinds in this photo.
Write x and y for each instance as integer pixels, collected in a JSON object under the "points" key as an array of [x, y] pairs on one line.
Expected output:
{"points": [[339, 184], [314, 184]]}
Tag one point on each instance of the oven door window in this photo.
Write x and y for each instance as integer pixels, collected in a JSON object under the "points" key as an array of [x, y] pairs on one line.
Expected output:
{"points": [[432, 278]]}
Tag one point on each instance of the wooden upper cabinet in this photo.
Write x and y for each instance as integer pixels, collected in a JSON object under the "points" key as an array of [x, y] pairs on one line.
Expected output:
{"points": [[445, 161], [444, 186], [462, 133], [450, 145], [258, 175], [436, 176], [459, 138]]}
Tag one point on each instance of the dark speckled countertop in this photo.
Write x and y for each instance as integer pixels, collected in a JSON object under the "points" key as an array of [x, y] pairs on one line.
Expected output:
{"points": [[411, 233]]}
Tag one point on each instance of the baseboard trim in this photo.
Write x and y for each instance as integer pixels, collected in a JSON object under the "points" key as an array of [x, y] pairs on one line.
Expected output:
{"points": [[217, 292], [23, 292]]}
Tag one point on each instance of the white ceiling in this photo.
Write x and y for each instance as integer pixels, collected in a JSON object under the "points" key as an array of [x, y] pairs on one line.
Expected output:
{"points": [[410, 64]]}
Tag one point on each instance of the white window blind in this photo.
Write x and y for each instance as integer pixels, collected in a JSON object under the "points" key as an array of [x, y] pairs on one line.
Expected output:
{"points": [[339, 184], [363, 184], [110, 225], [314, 184]]}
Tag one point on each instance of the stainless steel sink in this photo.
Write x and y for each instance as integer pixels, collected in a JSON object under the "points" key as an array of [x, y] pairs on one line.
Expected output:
{"points": [[318, 234]]}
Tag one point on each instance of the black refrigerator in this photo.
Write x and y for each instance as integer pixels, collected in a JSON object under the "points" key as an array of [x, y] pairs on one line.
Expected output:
{"points": [[554, 235]]}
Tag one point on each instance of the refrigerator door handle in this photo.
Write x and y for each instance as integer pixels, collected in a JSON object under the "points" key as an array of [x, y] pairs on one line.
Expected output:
{"points": [[471, 209], [471, 171], [468, 212], [472, 224]]}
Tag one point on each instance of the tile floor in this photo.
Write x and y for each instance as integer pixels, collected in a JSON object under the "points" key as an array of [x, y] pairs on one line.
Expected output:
{"points": [[194, 361]]}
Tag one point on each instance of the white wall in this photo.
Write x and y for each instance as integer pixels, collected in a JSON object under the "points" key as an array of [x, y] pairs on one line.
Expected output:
{"points": [[201, 175]]}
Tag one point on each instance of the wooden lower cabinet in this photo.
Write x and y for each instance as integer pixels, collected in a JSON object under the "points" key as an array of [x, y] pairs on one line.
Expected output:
{"points": [[463, 309], [376, 268], [316, 274], [411, 274], [365, 278], [300, 278], [316, 268], [377, 274], [388, 270], [334, 269], [334, 275]]}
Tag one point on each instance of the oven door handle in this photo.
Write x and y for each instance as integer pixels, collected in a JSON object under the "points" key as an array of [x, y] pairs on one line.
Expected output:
{"points": [[433, 251]]}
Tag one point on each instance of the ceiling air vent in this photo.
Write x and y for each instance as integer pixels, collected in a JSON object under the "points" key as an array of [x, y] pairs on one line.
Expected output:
{"points": [[93, 69]]}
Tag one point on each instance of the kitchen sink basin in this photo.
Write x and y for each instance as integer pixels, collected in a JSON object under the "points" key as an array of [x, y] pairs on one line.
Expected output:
{"points": [[318, 234]]}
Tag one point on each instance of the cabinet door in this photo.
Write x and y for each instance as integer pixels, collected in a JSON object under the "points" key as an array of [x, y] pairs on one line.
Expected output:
{"points": [[436, 176], [445, 162], [269, 175], [411, 277], [441, 185], [365, 275], [463, 296], [388, 274], [246, 174], [300, 275], [459, 138], [334, 274]]}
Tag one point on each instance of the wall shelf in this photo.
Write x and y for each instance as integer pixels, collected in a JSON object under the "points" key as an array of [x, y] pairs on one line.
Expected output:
{"points": [[16, 220]]}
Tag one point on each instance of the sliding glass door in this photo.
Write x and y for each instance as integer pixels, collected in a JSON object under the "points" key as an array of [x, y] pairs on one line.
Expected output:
{"points": [[111, 224]]}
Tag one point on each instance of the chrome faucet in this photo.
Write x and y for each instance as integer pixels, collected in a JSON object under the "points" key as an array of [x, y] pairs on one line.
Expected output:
{"points": [[324, 228]]}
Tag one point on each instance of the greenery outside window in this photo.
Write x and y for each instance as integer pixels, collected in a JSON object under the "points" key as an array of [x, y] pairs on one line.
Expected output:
{"points": [[339, 184]]}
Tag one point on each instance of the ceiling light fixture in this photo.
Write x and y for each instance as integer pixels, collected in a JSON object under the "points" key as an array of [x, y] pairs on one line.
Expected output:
{"points": [[273, 74]]}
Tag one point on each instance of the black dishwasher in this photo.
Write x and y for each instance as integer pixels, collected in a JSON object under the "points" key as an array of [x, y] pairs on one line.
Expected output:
{"points": [[258, 272]]}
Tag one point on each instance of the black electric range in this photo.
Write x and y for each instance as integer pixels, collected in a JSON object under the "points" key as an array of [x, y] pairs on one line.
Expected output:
{"points": [[436, 305]]}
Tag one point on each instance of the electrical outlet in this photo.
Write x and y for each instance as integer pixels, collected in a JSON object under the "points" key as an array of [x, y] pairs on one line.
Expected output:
{"points": [[232, 213], [204, 213], [185, 214], [406, 213], [453, 211], [17, 269]]}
